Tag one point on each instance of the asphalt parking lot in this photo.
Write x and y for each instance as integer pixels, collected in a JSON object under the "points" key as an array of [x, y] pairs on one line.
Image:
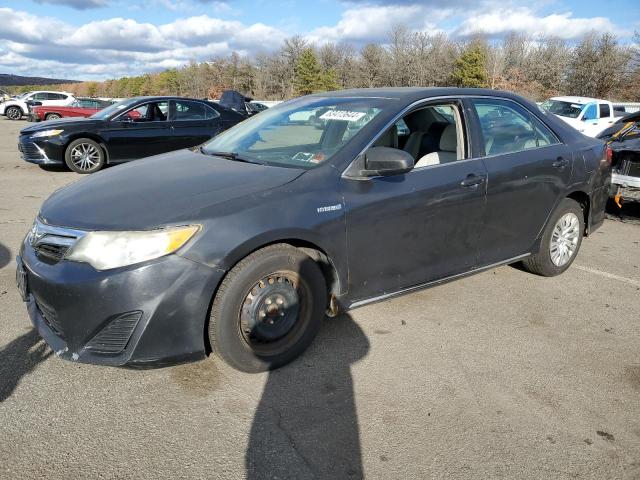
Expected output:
{"points": [[500, 375]]}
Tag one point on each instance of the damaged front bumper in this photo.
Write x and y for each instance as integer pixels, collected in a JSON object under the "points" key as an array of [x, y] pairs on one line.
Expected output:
{"points": [[151, 314]]}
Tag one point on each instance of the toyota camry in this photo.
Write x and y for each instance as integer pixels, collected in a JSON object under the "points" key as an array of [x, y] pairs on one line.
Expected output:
{"points": [[321, 204]]}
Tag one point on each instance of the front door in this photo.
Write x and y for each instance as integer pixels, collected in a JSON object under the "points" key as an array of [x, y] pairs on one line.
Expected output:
{"points": [[140, 132], [528, 171], [410, 229]]}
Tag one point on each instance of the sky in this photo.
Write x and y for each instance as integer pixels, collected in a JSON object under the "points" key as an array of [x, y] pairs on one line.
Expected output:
{"points": [[100, 39]]}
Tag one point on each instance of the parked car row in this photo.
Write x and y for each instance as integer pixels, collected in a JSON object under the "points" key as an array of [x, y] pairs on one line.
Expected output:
{"points": [[241, 246], [16, 108], [81, 107], [127, 130]]}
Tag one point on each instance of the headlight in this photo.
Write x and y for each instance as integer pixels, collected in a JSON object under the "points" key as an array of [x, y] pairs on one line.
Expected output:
{"points": [[47, 133], [105, 250]]}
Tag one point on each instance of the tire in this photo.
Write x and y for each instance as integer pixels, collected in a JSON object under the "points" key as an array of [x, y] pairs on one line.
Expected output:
{"points": [[557, 252], [52, 116], [280, 284], [14, 113], [84, 156]]}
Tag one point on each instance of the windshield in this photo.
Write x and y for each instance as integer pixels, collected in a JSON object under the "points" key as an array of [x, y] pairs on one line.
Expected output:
{"points": [[564, 109], [303, 133], [112, 109]]}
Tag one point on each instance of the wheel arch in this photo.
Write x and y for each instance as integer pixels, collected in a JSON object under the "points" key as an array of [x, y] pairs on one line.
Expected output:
{"points": [[312, 249], [583, 199]]}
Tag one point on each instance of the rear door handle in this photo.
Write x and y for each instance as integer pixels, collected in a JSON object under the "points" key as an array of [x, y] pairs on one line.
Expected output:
{"points": [[472, 180], [560, 163]]}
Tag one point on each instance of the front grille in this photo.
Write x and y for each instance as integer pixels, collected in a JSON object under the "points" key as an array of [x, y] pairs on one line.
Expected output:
{"points": [[50, 317], [51, 243], [52, 252], [114, 337]]}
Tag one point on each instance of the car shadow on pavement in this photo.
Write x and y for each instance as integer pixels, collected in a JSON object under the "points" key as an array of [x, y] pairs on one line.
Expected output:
{"points": [[19, 358], [306, 425], [5, 256]]}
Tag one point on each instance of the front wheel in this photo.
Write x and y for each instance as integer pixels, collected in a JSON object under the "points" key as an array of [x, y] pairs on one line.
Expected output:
{"points": [[84, 156], [13, 113], [268, 309], [560, 242], [52, 116]]}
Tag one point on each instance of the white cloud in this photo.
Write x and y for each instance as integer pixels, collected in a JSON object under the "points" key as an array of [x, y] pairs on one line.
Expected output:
{"points": [[524, 20], [113, 47], [373, 23], [78, 4], [120, 46]]}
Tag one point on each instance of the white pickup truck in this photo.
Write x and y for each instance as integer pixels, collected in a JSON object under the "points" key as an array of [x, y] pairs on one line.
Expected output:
{"points": [[587, 115]]}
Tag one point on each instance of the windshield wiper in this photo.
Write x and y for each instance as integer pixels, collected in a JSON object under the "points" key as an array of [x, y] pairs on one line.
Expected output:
{"points": [[230, 155]]}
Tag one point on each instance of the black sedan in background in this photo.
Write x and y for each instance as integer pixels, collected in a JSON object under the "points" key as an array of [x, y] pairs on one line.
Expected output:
{"points": [[241, 246], [128, 130]]}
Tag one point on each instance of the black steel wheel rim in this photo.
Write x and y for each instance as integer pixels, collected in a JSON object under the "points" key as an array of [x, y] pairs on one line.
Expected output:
{"points": [[273, 312]]}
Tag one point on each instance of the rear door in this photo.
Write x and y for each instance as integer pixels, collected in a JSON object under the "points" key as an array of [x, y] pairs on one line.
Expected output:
{"points": [[140, 132], [528, 172], [192, 123]]}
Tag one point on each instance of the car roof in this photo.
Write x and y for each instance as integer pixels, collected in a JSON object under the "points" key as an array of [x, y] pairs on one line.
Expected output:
{"points": [[413, 94], [168, 97], [578, 100]]}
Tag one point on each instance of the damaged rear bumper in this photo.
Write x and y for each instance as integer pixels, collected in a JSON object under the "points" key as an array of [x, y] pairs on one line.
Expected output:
{"points": [[625, 186]]}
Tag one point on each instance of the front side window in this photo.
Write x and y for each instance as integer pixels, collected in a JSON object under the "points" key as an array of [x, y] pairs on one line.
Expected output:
{"points": [[432, 135], [507, 127], [590, 112], [148, 112], [302, 133], [40, 96]]}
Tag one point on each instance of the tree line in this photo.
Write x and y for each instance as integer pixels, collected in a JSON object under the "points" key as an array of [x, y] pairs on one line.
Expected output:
{"points": [[597, 66]]}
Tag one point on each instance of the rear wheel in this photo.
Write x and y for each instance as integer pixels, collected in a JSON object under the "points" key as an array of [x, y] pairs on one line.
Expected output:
{"points": [[13, 113], [268, 309], [52, 116], [560, 242], [84, 156]]}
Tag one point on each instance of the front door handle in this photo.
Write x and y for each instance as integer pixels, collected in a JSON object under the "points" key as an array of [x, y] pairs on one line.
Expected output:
{"points": [[560, 162], [472, 180]]}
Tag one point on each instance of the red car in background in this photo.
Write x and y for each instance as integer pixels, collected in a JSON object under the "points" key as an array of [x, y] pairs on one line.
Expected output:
{"points": [[82, 107]]}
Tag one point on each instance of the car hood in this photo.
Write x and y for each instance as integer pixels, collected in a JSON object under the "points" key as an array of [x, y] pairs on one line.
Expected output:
{"points": [[172, 188], [62, 122]]}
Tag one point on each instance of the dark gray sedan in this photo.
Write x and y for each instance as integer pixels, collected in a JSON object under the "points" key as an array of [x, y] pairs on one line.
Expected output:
{"points": [[315, 206]]}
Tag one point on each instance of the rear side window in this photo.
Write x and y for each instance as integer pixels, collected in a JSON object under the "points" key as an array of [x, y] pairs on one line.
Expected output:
{"points": [[56, 96], [185, 111], [507, 127], [605, 111]]}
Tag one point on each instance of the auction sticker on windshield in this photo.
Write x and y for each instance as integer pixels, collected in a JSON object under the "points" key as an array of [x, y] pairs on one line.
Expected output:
{"points": [[344, 115]]}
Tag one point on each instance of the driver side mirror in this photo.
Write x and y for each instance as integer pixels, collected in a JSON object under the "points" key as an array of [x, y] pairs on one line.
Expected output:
{"points": [[385, 161]]}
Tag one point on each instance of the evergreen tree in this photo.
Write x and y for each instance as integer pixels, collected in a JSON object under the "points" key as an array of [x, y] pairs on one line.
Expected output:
{"points": [[470, 69], [309, 77]]}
